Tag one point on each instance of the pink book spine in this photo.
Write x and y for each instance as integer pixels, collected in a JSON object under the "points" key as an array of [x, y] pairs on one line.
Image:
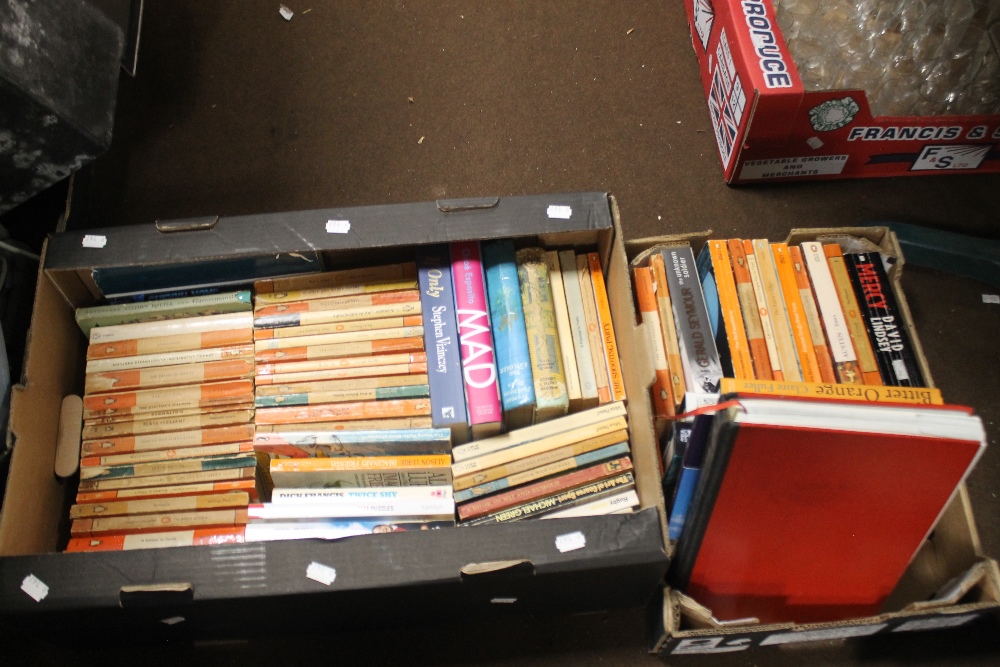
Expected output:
{"points": [[479, 369]]}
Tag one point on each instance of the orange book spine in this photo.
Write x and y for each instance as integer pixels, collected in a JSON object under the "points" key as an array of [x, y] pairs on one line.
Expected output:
{"points": [[172, 440], [852, 313], [748, 307], [248, 486], [155, 415], [180, 343], [345, 463], [173, 479], [196, 396], [340, 303], [179, 423], [667, 327], [212, 501], [149, 523], [796, 313], [593, 330], [267, 344], [167, 376], [342, 373], [186, 538], [360, 425], [338, 350], [409, 407], [607, 327], [822, 351], [339, 385], [337, 364], [165, 455], [662, 390], [762, 308], [729, 301], [355, 326]]}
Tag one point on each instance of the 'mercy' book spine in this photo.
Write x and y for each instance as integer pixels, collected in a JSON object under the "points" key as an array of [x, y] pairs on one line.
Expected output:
{"points": [[886, 329], [702, 366], [444, 365]]}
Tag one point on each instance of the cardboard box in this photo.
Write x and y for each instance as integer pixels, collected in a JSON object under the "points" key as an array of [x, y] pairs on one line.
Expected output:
{"points": [[238, 590], [768, 127], [951, 559]]}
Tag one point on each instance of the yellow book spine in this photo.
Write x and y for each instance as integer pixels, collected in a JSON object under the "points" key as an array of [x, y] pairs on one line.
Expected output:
{"points": [[776, 308], [551, 397]]}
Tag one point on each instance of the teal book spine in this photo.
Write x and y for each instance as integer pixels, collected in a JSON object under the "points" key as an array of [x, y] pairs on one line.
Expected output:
{"points": [[510, 338]]}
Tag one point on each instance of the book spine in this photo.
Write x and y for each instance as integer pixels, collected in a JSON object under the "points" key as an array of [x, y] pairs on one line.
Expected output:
{"points": [[551, 397], [797, 319], [141, 419], [434, 508], [885, 326], [845, 361], [503, 456], [668, 328], [565, 337], [774, 359], [171, 440], [162, 455], [840, 392], [340, 328], [441, 342], [183, 326], [161, 505], [345, 411], [783, 340], [699, 355], [619, 503], [354, 449], [501, 501], [265, 299], [291, 367], [272, 344], [510, 338], [717, 323], [342, 373], [556, 467], [363, 478], [150, 311], [479, 369], [690, 471], [594, 337], [169, 359], [748, 308], [569, 498], [158, 522], [159, 296], [133, 347], [607, 327], [852, 314], [539, 461], [339, 350], [407, 308], [664, 404], [174, 398], [339, 303], [248, 486], [166, 376], [229, 474], [729, 303], [822, 351], [181, 423], [347, 496], [168, 467], [539, 431], [359, 425], [342, 385], [325, 437], [344, 396], [182, 538], [578, 327], [350, 463], [333, 279]]}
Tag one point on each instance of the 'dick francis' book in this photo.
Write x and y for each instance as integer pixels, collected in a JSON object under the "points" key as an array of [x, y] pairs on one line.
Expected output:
{"points": [[828, 503]]}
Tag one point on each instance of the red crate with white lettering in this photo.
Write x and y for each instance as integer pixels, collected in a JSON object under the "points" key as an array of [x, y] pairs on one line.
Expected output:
{"points": [[768, 127]]}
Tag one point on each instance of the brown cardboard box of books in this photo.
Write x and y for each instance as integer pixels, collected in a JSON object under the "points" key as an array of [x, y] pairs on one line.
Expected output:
{"points": [[234, 590], [948, 584]]}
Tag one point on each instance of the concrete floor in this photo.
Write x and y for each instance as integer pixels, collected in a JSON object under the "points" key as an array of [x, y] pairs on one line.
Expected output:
{"points": [[236, 110]]}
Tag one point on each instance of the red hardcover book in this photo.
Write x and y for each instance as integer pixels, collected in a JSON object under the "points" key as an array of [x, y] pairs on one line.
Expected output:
{"points": [[809, 511]]}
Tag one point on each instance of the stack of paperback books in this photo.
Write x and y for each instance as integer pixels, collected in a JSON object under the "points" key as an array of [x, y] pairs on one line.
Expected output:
{"points": [[167, 452], [767, 318], [571, 466]]}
